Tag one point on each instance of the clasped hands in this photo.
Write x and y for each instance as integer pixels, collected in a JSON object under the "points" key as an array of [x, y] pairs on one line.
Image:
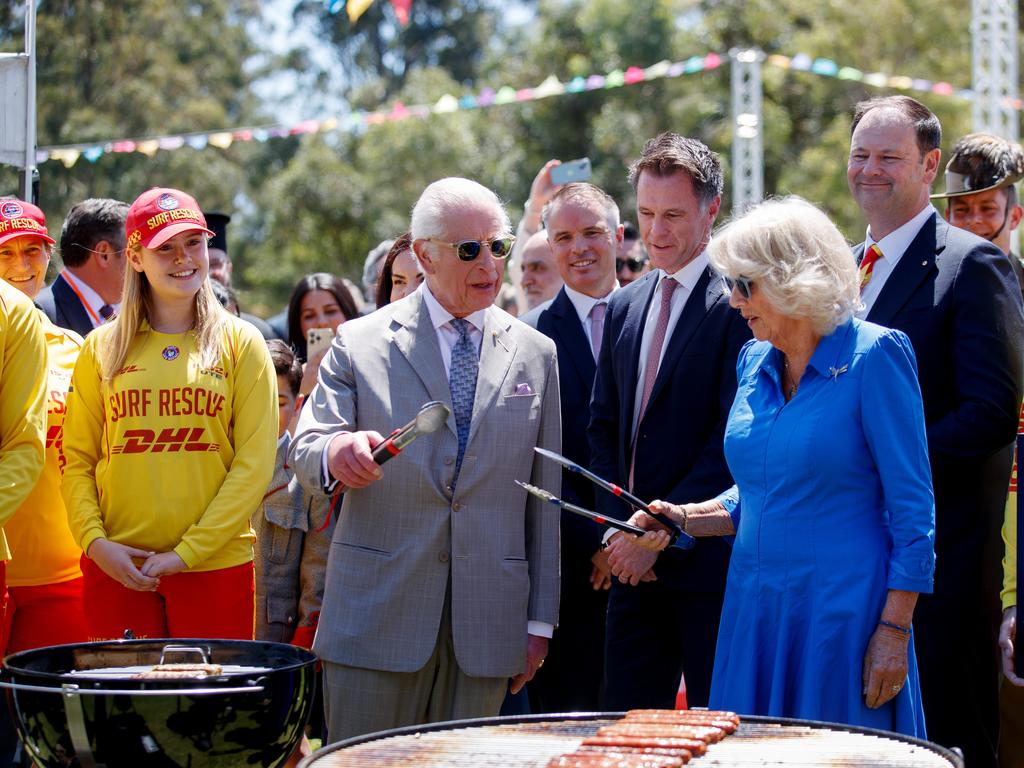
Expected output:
{"points": [[118, 562], [631, 558]]}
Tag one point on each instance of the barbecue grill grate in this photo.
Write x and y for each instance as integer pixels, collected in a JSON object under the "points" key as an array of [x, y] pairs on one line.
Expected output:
{"points": [[532, 741]]}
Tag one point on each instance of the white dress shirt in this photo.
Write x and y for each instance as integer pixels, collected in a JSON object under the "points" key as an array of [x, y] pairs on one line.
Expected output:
{"points": [[687, 278], [447, 336], [584, 304], [892, 246], [92, 300]]}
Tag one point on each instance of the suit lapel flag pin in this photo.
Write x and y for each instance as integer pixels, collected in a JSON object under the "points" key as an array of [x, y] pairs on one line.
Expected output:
{"points": [[499, 340], [835, 372]]}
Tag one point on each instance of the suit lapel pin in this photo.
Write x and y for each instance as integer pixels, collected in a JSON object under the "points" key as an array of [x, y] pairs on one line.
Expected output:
{"points": [[835, 372], [924, 263], [499, 340]]}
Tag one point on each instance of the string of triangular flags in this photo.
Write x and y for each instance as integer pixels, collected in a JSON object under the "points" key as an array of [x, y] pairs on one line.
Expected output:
{"points": [[356, 8], [358, 121]]}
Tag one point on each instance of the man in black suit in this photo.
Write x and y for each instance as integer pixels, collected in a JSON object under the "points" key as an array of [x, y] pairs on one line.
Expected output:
{"points": [[583, 232], [87, 292], [981, 198], [665, 382], [956, 297]]}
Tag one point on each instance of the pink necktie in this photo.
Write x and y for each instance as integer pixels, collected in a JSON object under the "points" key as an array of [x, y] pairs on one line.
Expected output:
{"points": [[597, 326], [668, 286]]}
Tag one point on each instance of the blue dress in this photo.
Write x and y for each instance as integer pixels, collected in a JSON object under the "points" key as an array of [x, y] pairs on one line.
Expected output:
{"points": [[833, 507]]}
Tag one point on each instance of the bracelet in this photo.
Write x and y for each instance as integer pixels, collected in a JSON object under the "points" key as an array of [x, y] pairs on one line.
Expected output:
{"points": [[686, 517], [897, 627]]}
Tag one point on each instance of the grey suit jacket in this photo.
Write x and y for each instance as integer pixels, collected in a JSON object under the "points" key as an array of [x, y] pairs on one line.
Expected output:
{"points": [[400, 541]]}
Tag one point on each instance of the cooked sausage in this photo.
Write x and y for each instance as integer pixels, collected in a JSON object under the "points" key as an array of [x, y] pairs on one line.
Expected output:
{"points": [[668, 730], [696, 746]]}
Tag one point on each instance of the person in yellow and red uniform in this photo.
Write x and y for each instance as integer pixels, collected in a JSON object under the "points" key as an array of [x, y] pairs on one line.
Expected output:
{"points": [[170, 440], [22, 399], [44, 579]]}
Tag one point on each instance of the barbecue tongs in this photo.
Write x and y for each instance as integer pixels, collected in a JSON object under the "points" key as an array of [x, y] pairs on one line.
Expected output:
{"points": [[677, 538]]}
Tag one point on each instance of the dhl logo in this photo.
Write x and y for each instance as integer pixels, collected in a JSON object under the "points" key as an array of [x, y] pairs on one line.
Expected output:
{"points": [[169, 440], [217, 372]]}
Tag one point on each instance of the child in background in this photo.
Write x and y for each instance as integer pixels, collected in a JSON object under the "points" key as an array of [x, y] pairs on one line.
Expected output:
{"points": [[293, 532]]}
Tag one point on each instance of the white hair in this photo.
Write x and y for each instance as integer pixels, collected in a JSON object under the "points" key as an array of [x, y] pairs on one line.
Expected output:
{"points": [[448, 194], [795, 254]]}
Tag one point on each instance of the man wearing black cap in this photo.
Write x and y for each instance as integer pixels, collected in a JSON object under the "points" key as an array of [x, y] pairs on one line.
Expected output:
{"points": [[87, 292], [220, 264]]}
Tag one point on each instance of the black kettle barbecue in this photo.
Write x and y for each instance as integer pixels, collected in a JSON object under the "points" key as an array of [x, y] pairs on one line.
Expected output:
{"points": [[161, 703]]}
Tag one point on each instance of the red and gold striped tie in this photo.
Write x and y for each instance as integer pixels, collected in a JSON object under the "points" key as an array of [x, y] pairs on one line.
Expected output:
{"points": [[867, 265]]}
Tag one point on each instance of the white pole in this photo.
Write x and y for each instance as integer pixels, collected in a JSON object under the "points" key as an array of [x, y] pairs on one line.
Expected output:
{"points": [[30, 99]]}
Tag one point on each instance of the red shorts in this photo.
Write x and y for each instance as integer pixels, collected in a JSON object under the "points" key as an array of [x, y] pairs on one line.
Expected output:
{"points": [[208, 604], [47, 614]]}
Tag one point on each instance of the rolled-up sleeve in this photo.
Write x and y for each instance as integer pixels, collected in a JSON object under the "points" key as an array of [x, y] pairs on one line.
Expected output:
{"points": [[893, 422]]}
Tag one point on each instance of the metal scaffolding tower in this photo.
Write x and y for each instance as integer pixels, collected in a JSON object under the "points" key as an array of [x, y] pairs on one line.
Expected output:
{"points": [[18, 117], [994, 56], [747, 140]]}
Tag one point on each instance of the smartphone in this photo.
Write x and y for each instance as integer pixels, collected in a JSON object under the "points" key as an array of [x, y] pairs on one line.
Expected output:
{"points": [[573, 170], [317, 340]]}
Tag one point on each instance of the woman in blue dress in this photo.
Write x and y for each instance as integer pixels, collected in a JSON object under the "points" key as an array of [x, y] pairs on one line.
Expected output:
{"points": [[832, 510]]}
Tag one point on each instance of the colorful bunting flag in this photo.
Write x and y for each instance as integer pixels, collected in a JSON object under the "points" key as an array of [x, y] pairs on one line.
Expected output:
{"points": [[402, 8], [357, 8], [357, 121]]}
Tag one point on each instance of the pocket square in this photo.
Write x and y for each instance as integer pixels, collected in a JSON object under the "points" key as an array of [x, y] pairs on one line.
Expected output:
{"points": [[523, 389]]}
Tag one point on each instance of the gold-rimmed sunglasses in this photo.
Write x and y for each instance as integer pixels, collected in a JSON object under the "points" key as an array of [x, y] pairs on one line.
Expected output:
{"points": [[468, 250]]}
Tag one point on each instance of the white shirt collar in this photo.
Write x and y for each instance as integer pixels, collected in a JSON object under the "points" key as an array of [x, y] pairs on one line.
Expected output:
{"points": [[440, 317], [86, 291], [583, 304], [688, 275], [895, 244]]}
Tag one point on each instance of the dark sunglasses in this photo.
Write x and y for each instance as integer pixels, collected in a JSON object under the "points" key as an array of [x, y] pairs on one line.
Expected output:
{"points": [[745, 284], [468, 250], [635, 265]]}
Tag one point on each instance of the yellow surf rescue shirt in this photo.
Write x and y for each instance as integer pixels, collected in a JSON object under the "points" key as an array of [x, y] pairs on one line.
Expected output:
{"points": [[170, 455], [42, 548]]}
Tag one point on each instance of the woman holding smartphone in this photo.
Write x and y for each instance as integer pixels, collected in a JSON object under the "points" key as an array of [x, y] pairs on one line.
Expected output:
{"points": [[170, 441]]}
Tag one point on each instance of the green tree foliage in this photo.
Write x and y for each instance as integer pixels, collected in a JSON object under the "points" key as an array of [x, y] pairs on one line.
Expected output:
{"points": [[138, 68], [134, 68]]}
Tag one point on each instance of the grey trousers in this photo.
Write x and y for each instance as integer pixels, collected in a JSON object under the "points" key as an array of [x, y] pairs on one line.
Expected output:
{"points": [[358, 701]]}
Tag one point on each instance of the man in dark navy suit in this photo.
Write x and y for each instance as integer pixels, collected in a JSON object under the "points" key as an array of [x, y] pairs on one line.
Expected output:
{"points": [[956, 297], [583, 231], [87, 292], [665, 382]]}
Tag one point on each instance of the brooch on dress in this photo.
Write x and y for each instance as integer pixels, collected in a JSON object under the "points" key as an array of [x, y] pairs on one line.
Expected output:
{"points": [[835, 372]]}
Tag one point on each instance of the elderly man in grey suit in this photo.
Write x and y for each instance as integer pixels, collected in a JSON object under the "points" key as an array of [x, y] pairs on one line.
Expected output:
{"points": [[442, 581]]}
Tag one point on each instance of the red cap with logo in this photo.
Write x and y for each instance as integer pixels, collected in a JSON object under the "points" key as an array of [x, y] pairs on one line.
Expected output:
{"points": [[18, 219], [159, 214]]}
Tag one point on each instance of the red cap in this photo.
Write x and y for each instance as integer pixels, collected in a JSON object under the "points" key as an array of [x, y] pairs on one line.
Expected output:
{"points": [[159, 214], [18, 218]]}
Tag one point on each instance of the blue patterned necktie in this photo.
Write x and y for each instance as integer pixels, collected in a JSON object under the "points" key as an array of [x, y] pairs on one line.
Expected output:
{"points": [[462, 381]]}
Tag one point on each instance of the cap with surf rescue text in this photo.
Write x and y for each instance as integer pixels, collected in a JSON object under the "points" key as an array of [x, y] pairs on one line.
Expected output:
{"points": [[18, 218], [159, 214]]}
